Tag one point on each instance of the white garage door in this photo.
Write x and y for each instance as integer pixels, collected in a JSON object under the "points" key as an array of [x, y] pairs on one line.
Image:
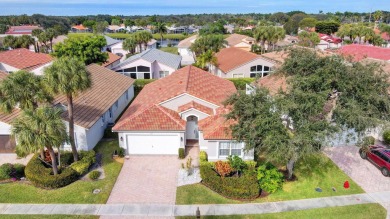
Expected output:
{"points": [[153, 144]]}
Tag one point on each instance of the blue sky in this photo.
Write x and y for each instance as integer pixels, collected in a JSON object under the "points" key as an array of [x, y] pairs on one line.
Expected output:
{"points": [[164, 7]]}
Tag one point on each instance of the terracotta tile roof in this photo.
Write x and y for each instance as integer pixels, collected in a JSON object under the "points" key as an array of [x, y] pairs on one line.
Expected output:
{"points": [[79, 27], [21, 29], [187, 42], [197, 106], [235, 39], [278, 56], [216, 127], [111, 59], [190, 80], [231, 58], [107, 87], [273, 82], [24, 59], [359, 52]]}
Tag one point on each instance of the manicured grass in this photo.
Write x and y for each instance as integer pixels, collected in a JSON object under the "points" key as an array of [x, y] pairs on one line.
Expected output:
{"points": [[49, 217], [172, 50], [318, 171], [156, 36], [77, 192], [363, 211]]}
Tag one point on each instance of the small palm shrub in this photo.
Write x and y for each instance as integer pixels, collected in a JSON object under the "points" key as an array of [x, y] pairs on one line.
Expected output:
{"points": [[269, 178], [386, 136], [94, 175]]}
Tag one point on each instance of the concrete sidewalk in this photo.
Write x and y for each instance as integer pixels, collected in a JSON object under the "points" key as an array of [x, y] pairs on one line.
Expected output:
{"points": [[165, 210]]}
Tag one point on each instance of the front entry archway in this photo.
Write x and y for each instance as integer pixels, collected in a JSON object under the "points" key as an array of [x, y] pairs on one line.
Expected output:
{"points": [[192, 128]]}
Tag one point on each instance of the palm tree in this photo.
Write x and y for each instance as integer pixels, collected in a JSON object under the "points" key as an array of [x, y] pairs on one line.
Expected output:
{"points": [[206, 59], [161, 28], [143, 37], [25, 41], [68, 76], [260, 35], [24, 89], [130, 44], [38, 129]]}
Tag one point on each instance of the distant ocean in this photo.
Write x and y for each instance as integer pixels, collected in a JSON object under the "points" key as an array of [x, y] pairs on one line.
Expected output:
{"points": [[166, 7]]}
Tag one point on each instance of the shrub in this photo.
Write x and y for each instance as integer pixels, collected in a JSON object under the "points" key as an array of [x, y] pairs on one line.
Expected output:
{"points": [[203, 156], [139, 84], [269, 177], [244, 187], [386, 136], [18, 170], [223, 168], [181, 153], [240, 83], [5, 171], [121, 152], [237, 164], [42, 176], [94, 175], [368, 140], [251, 165], [87, 158]]}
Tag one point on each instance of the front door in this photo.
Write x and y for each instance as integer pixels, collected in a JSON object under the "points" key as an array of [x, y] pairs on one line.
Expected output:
{"points": [[192, 128]]}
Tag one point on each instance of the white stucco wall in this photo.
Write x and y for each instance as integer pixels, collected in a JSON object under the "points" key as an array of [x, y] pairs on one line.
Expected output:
{"points": [[40, 70], [180, 100], [243, 69], [7, 68], [157, 67], [5, 129]]}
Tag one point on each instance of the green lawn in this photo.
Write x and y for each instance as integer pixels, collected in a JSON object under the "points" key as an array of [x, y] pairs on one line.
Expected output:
{"points": [[77, 192], [363, 211], [172, 50], [319, 171], [48, 216], [156, 36]]}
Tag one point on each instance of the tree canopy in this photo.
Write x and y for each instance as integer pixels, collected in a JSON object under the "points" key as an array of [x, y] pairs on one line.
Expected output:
{"points": [[213, 43], [86, 49], [327, 27]]}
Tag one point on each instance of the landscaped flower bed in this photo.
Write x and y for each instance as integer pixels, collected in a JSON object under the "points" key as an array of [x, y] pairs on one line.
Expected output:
{"points": [[40, 174], [11, 172]]}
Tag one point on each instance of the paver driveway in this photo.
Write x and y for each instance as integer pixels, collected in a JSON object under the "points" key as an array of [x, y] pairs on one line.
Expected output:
{"points": [[146, 179], [363, 172]]}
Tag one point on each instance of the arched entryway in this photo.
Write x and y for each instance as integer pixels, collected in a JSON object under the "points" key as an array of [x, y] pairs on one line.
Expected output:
{"points": [[192, 132]]}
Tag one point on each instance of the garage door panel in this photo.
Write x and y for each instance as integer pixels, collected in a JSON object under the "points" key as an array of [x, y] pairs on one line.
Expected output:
{"points": [[153, 144]]}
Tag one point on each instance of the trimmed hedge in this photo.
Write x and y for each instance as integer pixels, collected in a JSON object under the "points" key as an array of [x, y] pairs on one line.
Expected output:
{"points": [[181, 153], [94, 175], [41, 176], [203, 156], [240, 83], [386, 136], [244, 187], [87, 158], [5, 171]]}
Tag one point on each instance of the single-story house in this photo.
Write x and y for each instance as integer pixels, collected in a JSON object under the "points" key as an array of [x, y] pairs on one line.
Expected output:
{"points": [[149, 64], [109, 43], [328, 42], [94, 109], [185, 51], [117, 48], [237, 63], [181, 110], [79, 29], [24, 59], [115, 28], [112, 61], [21, 30], [240, 41]]}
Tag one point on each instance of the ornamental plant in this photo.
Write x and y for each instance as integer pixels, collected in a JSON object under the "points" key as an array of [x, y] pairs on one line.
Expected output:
{"points": [[269, 178], [237, 164], [223, 168]]}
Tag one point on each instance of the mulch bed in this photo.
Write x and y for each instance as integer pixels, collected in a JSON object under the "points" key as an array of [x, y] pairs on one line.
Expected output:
{"points": [[285, 174]]}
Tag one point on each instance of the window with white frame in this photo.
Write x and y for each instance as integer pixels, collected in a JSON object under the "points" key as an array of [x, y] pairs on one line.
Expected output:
{"points": [[227, 148], [127, 95], [163, 74], [138, 72], [259, 71]]}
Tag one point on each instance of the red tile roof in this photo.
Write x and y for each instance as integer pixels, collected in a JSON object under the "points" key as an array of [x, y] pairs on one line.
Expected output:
{"points": [[111, 59], [359, 52], [197, 106], [21, 29], [190, 80], [273, 82], [24, 59], [216, 127], [235, 39], [79, 27], [329, 38], [231, 58]]}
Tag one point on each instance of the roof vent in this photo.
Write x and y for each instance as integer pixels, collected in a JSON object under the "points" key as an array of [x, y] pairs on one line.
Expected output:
{"points": [[180, 82]]}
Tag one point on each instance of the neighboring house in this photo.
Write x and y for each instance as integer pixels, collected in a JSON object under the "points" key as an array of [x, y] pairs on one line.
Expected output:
{"points": [[112, 61], [185, 51], [237, 63], [150, 64], [133, 29], [79, 29], [21, 30], [328, 42], [110, 42], [182, 110], [359, 52], [24, 59], [181, 29], [240, 41], [94, 109], [287, 41], [117, 48], [115, 28]]}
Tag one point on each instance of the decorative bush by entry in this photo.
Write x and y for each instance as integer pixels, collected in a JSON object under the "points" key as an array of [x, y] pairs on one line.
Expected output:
{"points": [[270, 179], [386, 136], [5, 171], [244, 187], [41, 175], [181, 153], [203, 156]]}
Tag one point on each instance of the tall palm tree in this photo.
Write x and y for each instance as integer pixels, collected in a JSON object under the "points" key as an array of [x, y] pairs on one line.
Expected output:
{"points": [[24, 89], [130, 44], [143, 37], [38, 129], [205, 59], [69, 77], [161, 28], [260, 36]]}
